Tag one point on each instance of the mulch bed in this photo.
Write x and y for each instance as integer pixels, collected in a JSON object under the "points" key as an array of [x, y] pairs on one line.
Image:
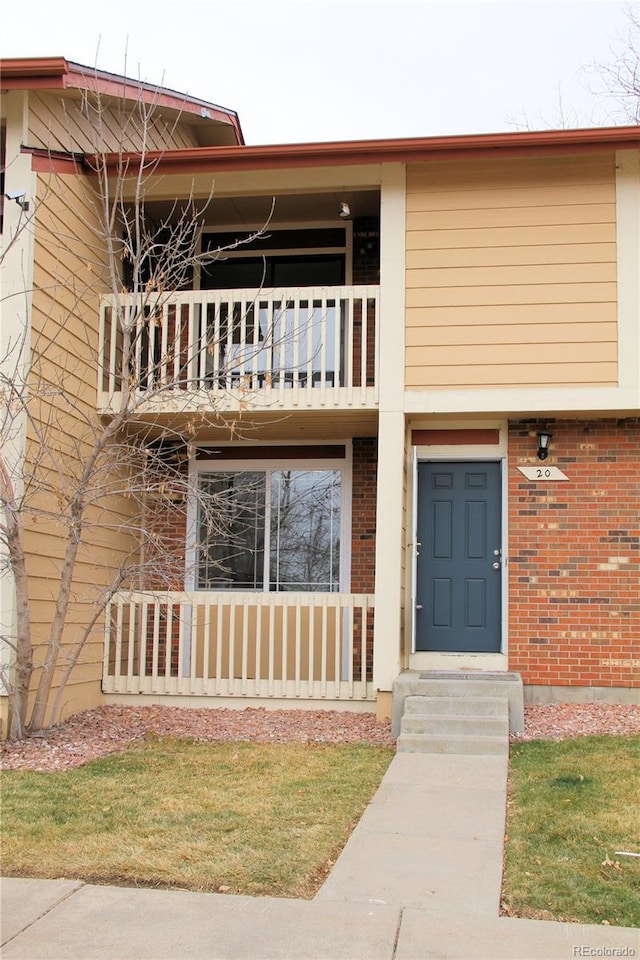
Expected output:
{"points": [[96, 733]]}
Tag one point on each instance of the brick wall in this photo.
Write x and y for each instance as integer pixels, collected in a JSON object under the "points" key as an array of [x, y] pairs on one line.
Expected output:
{"points": [[165, 570], [366, 270], [366, 250], [574, 556], [363, 515], [363, 534], [166, 545]]}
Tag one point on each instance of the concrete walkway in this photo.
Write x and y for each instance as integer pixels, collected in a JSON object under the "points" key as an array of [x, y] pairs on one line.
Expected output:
{"points": [[419, 878]]}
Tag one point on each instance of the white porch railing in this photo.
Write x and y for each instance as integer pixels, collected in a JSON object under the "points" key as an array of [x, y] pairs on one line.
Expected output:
{"points": [[304, 347], [309, 646]]}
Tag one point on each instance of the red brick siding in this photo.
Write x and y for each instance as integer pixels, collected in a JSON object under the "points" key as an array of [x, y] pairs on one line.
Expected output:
{"points": [[363, 515], [574, 556], [365, 270], [167, 525], [173, 639], [363, 534], [165, 550], [370, 331], [366, 250]]}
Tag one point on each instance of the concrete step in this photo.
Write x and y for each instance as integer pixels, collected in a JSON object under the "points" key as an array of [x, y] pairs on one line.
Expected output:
{"points": [[460, 687], [480, 746], [443, 723], [466, 726], [458, 693], [452, 706]]}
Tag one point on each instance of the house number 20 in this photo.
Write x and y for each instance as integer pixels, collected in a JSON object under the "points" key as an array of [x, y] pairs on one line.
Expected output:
{"points": [[543, 473]]}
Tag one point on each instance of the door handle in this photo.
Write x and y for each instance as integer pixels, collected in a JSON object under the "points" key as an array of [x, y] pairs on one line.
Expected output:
{"points": [[418, 606], [496, 565]]}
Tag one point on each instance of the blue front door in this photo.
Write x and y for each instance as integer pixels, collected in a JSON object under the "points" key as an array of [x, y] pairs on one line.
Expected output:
{"points": [[459, 559]]}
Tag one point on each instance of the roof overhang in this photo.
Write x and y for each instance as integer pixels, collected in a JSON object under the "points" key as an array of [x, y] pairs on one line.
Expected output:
{"points": [[56, 73], [546, 142]]}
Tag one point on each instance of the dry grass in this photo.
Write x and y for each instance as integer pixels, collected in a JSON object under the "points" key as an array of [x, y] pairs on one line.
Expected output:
{"points": [[572, 805], [238, 817]]}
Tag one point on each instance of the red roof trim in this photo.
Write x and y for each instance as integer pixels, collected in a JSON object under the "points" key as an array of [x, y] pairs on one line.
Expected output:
{"points": [[55, 161], [12, 70], [56, 73], [430, 438], [204, 159]]}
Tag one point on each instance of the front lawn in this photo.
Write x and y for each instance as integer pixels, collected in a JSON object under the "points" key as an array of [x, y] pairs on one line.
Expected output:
{"points": [[235, 817], [573, 807]]}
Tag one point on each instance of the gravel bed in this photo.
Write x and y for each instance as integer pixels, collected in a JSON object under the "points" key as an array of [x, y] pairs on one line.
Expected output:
{"points": [[562, 721], [96, 733]]}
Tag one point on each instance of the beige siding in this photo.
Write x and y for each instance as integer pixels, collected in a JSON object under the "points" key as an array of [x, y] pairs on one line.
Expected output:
{"points": [[511, 273], [56, 123], [69, 275]]}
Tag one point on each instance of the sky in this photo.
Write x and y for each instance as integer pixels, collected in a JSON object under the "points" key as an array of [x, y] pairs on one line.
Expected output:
{"points": [[302, 70]]}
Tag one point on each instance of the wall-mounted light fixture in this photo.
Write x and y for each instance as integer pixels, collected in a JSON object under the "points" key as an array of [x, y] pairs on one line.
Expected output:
{"points": [[19, 197], [544, 440]]}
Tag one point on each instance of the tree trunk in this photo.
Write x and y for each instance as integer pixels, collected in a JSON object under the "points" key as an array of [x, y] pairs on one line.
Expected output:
{"points": [[23, 665]]}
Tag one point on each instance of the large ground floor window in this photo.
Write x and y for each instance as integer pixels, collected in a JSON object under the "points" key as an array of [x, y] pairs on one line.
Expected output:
{"points": [[269, 528]]}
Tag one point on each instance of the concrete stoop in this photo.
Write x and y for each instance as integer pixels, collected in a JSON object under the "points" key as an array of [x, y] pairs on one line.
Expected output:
{"points": [[443, 724], [464, 713]]}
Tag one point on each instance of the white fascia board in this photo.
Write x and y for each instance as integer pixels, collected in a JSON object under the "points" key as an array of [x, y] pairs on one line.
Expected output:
{"points": [[516, 402], [16, 280]]}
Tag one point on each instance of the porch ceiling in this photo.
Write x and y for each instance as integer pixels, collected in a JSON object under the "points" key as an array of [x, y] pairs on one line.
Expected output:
{"points": [[256, 427], [289, 208]]}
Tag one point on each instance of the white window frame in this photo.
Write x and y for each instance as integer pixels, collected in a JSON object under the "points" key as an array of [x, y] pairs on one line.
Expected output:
{"points": [[242, 252], [218, 463]]}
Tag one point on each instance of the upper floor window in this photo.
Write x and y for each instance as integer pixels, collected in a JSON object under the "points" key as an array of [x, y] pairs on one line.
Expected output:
{"points": [[310, 257]]}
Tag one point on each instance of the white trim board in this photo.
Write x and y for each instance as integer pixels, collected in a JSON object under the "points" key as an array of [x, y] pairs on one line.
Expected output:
{"points": [[458, 661], [485, 453]]}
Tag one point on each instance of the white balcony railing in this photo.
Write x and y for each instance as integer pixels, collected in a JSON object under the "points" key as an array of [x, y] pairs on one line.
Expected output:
{"points": [[304, 347], [308, 646]]}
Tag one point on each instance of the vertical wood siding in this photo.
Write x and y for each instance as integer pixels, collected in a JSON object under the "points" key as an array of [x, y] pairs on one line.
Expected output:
{"points": [[511, 273]]}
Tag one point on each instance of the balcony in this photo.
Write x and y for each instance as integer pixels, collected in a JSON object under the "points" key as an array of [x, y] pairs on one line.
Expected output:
{"points": [[278, 349], [297, 646]]}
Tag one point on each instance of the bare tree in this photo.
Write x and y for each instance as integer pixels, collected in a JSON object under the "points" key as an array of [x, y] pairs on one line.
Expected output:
{"points": [[619, 81], [84, 479], [614, 87]]}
